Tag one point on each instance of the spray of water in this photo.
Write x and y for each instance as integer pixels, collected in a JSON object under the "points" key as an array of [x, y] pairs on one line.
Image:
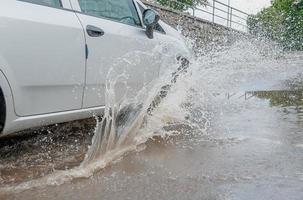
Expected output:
{"points": [[124, 117], [180, 96], [128, 114]]}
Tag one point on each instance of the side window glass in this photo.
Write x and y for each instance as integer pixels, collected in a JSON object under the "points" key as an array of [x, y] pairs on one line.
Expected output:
{"points": [[123, 11], [157, 27], [52, 3]]}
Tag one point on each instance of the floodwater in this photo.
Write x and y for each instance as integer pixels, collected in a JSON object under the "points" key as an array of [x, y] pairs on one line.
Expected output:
{"points": [[231, 128]]}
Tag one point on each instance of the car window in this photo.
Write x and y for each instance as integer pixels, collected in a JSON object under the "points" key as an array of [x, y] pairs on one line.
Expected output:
{"points": [[123, 11], [52, 3], [157, 26]]}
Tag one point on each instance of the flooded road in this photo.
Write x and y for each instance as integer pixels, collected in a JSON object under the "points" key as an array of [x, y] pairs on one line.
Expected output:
{"points": [[236, 132]]}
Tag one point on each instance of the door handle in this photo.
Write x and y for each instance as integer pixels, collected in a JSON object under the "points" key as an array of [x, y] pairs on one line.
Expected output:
{"points": [[94, 31]]}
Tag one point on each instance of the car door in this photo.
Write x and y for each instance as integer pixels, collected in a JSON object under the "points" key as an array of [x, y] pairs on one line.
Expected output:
{"points": [[43, 46], [117, 41]]}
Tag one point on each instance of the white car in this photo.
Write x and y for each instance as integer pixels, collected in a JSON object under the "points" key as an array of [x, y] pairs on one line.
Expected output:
{"points": [[55, 55]]}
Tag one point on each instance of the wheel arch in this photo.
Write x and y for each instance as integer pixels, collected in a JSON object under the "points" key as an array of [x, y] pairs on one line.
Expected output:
{"points": [[2, 110], [6, 103]]}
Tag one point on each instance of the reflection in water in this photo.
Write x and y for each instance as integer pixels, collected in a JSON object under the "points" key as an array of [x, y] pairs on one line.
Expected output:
{"points": [[281, 97]]}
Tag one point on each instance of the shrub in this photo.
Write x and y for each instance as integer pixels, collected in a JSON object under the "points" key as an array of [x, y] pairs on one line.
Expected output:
{"points": [[282, 22]]}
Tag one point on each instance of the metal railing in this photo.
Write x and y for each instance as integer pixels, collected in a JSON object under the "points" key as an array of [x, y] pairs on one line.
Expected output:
{"points": [[216, 12]]}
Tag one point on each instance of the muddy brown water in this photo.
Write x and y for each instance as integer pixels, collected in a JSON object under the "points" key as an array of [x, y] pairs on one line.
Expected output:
{"points": [[35, 153], [253, 149]]}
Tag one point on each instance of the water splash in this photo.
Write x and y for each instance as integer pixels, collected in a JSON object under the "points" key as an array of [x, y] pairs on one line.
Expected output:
{"points": [[123, 118], [130, 120]]}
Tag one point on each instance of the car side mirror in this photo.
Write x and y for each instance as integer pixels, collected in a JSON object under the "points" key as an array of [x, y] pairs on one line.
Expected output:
{"points": [[150, 19]]}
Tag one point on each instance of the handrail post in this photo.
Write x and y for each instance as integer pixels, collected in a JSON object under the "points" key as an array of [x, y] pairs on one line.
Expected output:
{"points": [[231, 15], [228, 12], [214, 4], [228, 17]]}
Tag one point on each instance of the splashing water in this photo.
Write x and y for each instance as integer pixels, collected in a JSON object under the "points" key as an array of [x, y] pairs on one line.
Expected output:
{"points": [[191, 98], [128, 123], [124, 125], [122, 120]]}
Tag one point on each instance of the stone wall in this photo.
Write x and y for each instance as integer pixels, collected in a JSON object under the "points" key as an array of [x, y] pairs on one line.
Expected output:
{"points": [[206, 36]]}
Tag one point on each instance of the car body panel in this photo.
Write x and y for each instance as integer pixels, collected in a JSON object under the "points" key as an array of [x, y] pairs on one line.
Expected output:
{"points": [[43, 69], [39, 55], [122, 49], [21, 123]]}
